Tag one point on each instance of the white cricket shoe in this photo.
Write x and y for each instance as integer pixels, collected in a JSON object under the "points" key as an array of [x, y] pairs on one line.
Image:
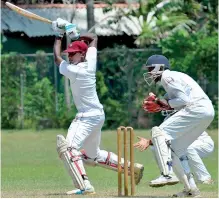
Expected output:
{"points": [[209, 181], [138, 170], [89, 190], [164, 180], [193, 193]]}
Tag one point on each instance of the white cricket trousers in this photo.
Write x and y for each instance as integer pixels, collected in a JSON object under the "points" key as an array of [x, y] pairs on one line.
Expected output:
{"points": [[199, 149], [85, 132], [185, 126]]}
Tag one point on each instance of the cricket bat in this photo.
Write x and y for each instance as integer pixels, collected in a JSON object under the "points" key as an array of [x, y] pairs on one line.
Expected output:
{"points": [[26, 13]]}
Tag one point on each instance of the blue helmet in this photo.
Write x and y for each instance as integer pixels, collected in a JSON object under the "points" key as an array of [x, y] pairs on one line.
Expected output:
{"points": [[157, 64], [158, 59]]}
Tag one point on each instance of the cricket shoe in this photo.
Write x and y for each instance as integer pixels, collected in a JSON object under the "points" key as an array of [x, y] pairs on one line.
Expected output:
{"points": [[193, 193], [89, 190], [164, 180], [138, 170], [209, 181]]}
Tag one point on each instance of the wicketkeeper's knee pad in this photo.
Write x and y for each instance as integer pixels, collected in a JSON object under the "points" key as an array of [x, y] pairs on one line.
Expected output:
{"points": [[72, 160], [162, 150]]}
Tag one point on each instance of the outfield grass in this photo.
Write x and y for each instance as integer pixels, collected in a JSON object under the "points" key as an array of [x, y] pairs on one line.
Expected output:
{"points": [[31, 168]]}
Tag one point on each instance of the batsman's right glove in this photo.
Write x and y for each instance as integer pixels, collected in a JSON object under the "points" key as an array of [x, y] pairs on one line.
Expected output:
{"points": [[72, 31]]}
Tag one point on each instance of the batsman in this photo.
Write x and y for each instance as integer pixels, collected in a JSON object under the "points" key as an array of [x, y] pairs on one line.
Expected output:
{"points": [[85, 130], [194, 114]]}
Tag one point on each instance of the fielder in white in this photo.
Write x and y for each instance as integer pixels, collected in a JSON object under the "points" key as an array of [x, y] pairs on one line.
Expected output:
{"points": [[194, 114], [85, 129], [200, 148]]}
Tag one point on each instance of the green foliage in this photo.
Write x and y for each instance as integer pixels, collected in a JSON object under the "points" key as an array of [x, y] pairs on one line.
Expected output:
{"points": [[157, 19], [123, 76], [39, 101], [195, 55], [120, 84], [12, 66], [214, 124], [101, 87], [26, 82], [64, 117]]}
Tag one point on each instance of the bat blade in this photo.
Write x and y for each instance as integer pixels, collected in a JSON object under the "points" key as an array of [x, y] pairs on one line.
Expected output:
{"points": [[26, 13]]}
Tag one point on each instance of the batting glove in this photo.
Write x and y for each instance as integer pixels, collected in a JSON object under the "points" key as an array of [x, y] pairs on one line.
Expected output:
{"points": [[59, 31], [61, 23], [72, 31], [59, 26]]}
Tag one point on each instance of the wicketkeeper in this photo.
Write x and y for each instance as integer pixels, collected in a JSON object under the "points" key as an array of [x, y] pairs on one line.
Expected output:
{"points": [[200, 148], [85, 129], [194, 114]]}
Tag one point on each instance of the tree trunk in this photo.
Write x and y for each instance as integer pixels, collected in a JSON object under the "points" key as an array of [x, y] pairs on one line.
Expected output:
{"points": [[90, 14]]}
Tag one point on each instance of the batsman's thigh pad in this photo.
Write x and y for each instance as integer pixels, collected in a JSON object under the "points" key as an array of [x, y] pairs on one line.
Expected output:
{"points": [[162, 150], [72, 161]]}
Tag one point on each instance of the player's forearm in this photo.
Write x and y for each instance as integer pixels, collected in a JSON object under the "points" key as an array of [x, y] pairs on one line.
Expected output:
{"points": [[57, 50], [90, 38], [183, 100]]}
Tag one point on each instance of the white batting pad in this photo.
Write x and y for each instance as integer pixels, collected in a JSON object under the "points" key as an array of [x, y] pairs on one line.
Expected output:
{"points": [[162, 151], [104, 159], [72, 161]]}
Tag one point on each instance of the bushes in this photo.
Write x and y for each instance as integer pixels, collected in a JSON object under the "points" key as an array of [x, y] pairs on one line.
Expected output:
{"points": [[120, 84], [12, 67], [196, 55]]}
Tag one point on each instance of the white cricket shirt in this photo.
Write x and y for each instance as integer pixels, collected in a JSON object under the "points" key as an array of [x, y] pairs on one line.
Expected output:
{"points": [[83, 83], [181, 89]]}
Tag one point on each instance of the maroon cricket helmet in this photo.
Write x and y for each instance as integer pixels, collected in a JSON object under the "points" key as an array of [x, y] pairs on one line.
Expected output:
{"points": [[77, 46]]}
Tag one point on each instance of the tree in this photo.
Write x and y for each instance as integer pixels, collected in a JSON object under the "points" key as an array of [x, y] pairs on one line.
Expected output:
{"points": [[156, 19], [90, 14]]}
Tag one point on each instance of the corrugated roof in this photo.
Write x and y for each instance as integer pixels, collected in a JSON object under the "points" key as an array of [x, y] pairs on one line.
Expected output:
{"points": [[14, 22]]}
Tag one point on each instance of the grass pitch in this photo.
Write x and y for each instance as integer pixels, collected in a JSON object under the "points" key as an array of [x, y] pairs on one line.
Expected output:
{"points": [[31, 168]]}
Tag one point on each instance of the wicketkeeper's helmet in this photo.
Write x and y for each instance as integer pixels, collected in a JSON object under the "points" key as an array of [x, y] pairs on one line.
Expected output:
{"points": [[155, 64]]}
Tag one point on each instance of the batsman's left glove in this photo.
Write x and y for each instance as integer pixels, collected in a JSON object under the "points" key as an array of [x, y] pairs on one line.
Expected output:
{"points": [[152, 104]]}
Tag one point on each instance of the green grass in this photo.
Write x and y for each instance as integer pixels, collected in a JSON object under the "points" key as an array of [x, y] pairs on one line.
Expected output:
{"points": [[31, 168]]}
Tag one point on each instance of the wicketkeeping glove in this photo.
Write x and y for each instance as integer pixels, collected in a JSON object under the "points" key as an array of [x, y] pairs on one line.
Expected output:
{"points": [[151, 104]]}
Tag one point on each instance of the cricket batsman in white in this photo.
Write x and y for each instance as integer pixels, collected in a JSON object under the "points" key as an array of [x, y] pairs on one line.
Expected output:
{"points": [[194, 114], [85, 130]]}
